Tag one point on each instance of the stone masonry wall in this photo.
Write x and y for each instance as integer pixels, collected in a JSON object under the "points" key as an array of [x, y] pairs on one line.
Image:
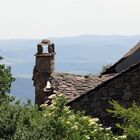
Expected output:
{"points": [[44, 66], [124, 88]]}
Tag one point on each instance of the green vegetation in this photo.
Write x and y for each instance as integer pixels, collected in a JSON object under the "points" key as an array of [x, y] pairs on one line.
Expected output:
{"points": [[57, 122], [5, 79], [54, 122], [1, 57], [105, 67], [131, 120]]}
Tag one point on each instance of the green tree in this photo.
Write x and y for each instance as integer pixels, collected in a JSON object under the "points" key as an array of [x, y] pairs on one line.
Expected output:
{"points": [[105, 67], [6, 79], [54, 122], [1, 57]]}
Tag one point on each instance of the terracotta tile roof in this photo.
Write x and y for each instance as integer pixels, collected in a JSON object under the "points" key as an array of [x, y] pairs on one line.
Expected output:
{"points": [[132, 51], [74, 86]]}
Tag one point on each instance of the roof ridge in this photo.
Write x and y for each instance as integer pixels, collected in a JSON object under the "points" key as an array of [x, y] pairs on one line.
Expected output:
{"points": [[132, 50], [105, 82], [129, 53]]}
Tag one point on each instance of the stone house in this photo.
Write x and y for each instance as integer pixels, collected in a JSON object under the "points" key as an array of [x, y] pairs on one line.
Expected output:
{"points": [[90, 93]]}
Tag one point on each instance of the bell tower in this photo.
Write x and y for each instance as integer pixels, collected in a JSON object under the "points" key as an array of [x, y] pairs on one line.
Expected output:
{"points": [[44, 67]]}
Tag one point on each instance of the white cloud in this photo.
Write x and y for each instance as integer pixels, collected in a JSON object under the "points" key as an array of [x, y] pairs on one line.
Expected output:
{"points": [[45, 18]]}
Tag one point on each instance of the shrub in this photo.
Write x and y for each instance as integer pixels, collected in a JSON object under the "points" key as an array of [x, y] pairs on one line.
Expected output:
{"points": [[5, 79], [54, 122], [105, 67], [131, 119]]}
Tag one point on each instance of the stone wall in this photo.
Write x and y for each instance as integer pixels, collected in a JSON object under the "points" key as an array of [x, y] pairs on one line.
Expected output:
{"points": [[124, 88], [44, 66]]}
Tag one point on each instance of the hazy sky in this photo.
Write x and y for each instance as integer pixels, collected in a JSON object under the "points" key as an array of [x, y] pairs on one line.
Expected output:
{"points": [[53, 18]]}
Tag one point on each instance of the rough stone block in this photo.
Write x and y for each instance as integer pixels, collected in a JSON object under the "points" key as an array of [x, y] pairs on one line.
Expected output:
{"points": [[127, 96]]}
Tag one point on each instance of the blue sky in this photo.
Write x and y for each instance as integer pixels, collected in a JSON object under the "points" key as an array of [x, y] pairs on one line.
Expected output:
{"points": [[57, 18]]}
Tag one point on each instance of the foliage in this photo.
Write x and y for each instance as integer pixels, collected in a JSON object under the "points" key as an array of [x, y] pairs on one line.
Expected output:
{"points": [[131, 119], [105, 67], [1, 57], [54, 122], [5, 78]]}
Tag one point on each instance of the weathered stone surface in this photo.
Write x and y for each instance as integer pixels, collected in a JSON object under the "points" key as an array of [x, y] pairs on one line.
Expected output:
{"points": [[127, 96], [90, 93], [44, 66], [77, 85], [96, 101]]}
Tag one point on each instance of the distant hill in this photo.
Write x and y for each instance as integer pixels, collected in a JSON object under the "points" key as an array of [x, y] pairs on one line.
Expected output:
{"points": [[81, 55], [22, 88]]}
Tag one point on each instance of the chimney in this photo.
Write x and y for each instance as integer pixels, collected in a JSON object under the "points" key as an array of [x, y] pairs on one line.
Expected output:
{"points": [[44, 67]]}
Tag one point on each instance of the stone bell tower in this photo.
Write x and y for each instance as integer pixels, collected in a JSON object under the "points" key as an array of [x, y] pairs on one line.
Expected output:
{"points": [[44, 67]]}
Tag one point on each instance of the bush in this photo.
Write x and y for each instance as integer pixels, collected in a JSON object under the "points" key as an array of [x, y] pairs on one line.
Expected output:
{"points": [[105, 67], [54, 122], [131, 119], [5, 79]]}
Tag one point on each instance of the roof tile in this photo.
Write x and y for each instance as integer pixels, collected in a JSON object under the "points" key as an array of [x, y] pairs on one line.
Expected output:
{"points": [[74, 86]]}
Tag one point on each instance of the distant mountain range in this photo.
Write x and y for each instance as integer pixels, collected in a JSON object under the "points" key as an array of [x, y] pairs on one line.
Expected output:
{"points": [[22, 88], [81, 55]]}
